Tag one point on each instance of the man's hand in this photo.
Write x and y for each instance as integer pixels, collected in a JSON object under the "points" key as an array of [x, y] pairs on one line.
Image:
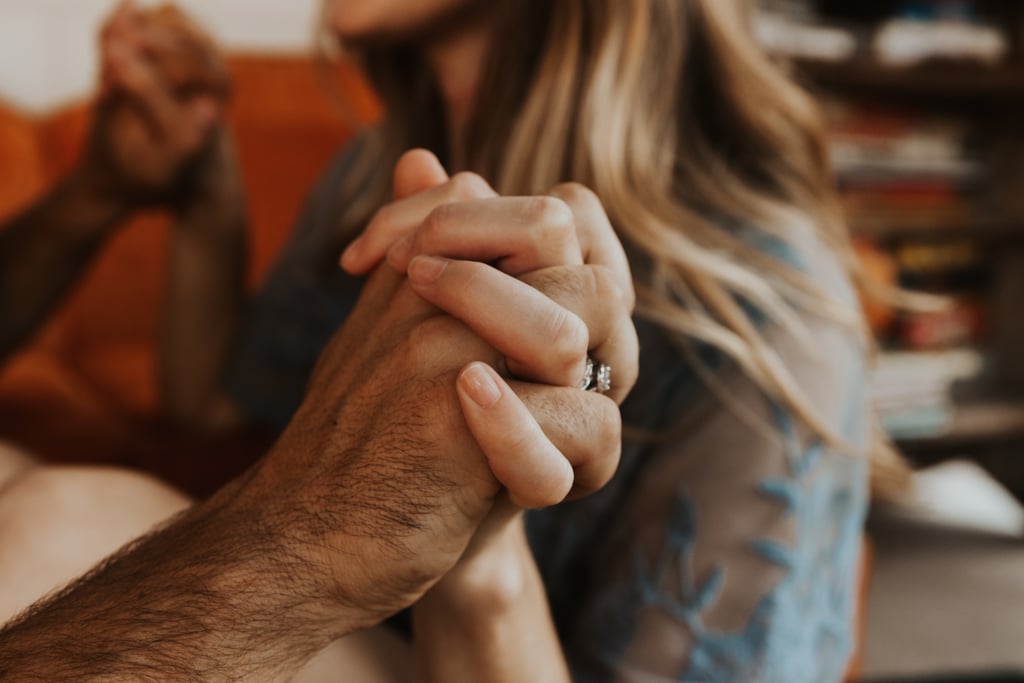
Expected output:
{"points": [[379, 462], [491, 607], [369, 497]]}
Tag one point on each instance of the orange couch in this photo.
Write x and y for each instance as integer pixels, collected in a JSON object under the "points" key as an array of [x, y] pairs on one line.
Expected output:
{"points": [[84, 389]]}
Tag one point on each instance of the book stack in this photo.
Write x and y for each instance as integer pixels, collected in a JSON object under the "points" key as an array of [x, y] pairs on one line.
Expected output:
{"points": [[960, 272], [952, 31], [913, 391], [896, 34], [793, 29], [902, 169]]}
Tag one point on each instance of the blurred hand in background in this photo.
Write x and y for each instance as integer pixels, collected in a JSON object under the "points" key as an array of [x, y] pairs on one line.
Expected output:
{"points": [[163, 94]]}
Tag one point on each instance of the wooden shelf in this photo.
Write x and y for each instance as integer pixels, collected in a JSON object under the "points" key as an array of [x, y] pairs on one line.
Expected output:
{"points": [[1002, 232], [933, 79], [975, 425]]}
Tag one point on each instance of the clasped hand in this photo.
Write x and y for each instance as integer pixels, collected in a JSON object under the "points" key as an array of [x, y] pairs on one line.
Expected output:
{"points": [[455, 384], [157, 129]]}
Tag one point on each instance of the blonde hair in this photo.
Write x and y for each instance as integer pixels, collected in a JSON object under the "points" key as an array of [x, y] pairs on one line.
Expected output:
{"points": [[678, 122]]}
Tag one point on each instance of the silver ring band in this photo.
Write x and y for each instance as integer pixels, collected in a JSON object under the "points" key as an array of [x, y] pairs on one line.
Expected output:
{"points": [[596, 377]]}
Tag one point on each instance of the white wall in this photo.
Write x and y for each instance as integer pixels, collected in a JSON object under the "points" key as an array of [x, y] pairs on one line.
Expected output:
{"points": [[47, 47]]}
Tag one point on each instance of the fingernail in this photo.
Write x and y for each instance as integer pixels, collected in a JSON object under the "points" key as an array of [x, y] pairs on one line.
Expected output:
{"points": [[476, 381], [351, 255], [425, 270]]}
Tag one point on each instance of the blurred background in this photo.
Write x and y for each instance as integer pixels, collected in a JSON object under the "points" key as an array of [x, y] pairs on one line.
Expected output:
{"points": [[925, 105], [49, 46], [84, 389]]}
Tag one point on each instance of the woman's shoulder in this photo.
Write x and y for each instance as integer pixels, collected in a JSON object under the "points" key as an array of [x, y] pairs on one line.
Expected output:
{"points": [[325, 195], [826, 349], [316, 229], [823, 352], [800, 245]]}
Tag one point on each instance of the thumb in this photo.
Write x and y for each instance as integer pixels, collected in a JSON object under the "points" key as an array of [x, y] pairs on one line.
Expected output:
{"points": [[417, 170], [520, 455]]}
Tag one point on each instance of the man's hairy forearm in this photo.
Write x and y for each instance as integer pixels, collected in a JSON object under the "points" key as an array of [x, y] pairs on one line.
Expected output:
{"points": [[213, 596], [44, 250]]}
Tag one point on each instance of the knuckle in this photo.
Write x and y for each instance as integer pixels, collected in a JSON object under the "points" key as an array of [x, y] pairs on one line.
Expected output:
{"points": [[553, 221], [430, 331], [569, 339], [629, 294], [382, 218], [611, 289], [437, 221], [550, 214], [631, 369], [608, 432], [428, 336], [575, 194], [609, 422], [468, 185], [602, 286]]}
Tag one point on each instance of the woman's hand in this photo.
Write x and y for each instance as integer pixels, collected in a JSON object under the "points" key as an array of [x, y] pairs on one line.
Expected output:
{"points": [[163, 92], [488, 618], [561, 247], [572, 231], [563, 240], [420, 185]]}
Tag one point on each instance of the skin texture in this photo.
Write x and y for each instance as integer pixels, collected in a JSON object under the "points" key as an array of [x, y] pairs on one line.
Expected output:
{"points": [[56, 522], [371, 494], [488, 618]]}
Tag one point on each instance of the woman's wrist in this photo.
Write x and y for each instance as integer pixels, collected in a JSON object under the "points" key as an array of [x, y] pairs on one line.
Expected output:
{"points": [[488, 581], [489, 619]]}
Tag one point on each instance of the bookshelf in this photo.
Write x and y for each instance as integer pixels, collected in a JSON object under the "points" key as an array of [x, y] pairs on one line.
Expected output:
{"points": [[930, 156], [976, 425], [1008, 232], [937, 80]]}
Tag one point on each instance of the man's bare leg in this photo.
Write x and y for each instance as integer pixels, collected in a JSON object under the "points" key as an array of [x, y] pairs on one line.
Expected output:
{"points": [[12, 463], [376, 655], [57, 522]]}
